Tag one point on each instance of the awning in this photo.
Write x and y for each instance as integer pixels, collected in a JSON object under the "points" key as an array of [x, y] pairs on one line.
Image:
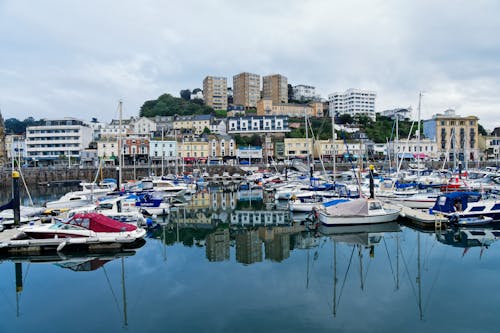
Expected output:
{"points": [[421, 155]]}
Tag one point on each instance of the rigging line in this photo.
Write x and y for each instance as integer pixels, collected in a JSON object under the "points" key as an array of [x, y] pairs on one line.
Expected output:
{"points": [[409, 277], [390, 261], [366, 272], [440, 266], [112, 291], [427, 255], [26, 187], [345, 276]]}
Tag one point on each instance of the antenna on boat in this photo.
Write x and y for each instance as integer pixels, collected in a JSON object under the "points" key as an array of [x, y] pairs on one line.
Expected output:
{"points": [[120, 149]]}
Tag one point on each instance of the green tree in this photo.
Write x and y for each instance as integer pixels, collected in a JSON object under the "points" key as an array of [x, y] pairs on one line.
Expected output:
{"points": [[345, 119], [167, 105], [186, 94], [481, 130], [206, 130]]}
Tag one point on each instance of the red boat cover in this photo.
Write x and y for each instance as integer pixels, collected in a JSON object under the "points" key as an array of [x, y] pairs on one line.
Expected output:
{"points": [[100, 223]]}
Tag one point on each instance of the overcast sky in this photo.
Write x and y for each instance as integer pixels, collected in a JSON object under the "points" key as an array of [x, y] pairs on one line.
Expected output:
{"points": [[78, 58]]}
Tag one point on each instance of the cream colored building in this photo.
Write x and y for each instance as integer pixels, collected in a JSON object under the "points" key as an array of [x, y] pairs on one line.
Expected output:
{"points": [[267, 107], [426, 147], [194, 123], [193, 149], [299, 147], [454, 135], [107, 149], [215, 92], [328, 148], [246, 89], [275, 87]]}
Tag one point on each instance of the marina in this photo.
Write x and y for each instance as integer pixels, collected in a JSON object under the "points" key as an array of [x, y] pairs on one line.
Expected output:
{"points": [[267, 264]]}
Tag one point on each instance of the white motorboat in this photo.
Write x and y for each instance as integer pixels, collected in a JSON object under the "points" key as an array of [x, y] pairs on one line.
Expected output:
{"points": [[88, 225]]}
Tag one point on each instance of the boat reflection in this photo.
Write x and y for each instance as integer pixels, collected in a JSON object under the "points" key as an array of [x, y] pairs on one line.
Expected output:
{"points": [[469, 237], [360, 238]]}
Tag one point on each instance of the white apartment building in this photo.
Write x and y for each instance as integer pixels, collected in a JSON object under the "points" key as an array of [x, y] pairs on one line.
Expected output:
{"points": [[426, 148], [257, 124], [353, 102], [197, 95], [304, 92], [401, 113], [55, 138], [113, 129]]}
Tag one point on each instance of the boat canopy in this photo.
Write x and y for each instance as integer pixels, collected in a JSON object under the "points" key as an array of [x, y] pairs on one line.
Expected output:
{"points": [[448, 202], [99, 223], [355, 207]]}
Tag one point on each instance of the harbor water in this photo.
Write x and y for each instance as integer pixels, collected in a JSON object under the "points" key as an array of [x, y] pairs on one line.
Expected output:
{"points": [[234, 262]]}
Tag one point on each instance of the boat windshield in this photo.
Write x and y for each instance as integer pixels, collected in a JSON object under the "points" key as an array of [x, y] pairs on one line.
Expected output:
{"points": [[375, 206], [64, 226]]}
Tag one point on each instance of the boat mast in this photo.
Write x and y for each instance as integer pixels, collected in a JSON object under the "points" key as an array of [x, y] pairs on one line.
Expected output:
{"points": [[120, 152], [162, 151], [418, 134], [334, 150], [307, 144]]}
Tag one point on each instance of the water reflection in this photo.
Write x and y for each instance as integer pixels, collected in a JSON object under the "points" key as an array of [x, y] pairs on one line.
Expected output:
{"points": [[395, 277]]}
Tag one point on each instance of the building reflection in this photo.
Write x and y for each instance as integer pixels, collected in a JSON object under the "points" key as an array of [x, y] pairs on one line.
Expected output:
{"points": [[217, 245], [248, 247], [220, 220]]}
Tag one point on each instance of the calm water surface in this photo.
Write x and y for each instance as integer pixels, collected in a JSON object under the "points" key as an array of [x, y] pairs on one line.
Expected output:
{"points": [[214, 267]]}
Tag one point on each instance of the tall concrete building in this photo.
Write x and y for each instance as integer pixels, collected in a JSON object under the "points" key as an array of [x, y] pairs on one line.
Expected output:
{"points": [[353, 102], [275, 87], [246, 89], [215, 92]]}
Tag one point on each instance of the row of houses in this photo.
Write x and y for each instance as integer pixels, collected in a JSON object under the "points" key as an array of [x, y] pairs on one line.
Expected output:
{"points": [[206, 139]]}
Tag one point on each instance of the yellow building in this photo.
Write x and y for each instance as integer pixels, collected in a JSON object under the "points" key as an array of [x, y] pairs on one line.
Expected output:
{"points": [[267, 107], [455, 135], [193, 149], [328, 148], [299, 147]]}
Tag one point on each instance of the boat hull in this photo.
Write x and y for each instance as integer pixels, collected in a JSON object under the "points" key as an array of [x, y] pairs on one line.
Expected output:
{"points": [[389, 216]]}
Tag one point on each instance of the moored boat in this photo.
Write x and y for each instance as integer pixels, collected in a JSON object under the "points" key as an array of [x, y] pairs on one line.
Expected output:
{"points": [[87, 225], [358, 211]]}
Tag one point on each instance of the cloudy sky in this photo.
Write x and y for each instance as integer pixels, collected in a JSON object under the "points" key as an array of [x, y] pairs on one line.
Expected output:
{"points": [[78, 58]]}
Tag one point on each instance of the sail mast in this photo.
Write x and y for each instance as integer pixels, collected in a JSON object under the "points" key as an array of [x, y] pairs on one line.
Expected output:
{"points": [[120, 149]]}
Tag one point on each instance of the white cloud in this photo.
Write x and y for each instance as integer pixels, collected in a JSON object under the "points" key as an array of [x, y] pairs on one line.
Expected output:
{"points": [[83, 56]]}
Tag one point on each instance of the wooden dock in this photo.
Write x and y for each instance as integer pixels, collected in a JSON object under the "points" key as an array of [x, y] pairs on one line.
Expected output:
{"points": [[419, 217]]}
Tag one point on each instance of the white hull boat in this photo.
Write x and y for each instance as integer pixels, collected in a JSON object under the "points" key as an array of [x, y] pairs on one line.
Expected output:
{"points": [[357, 212]]}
